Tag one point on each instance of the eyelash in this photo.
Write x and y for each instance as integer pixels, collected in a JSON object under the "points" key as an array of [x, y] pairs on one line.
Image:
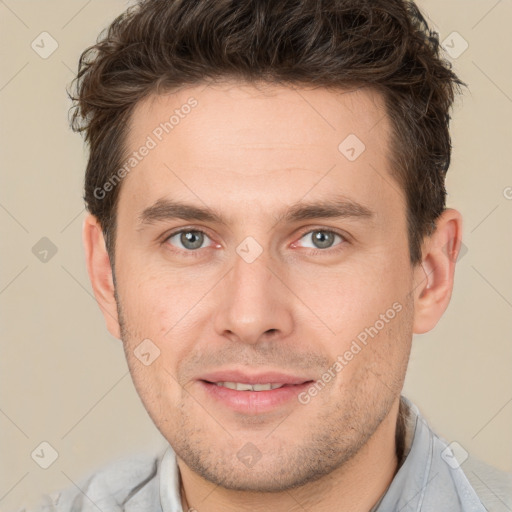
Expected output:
{"points": [[313, 252]]}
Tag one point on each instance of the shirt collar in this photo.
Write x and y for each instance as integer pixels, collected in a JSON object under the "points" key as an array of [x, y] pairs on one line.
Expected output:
{"points": [[425, 481], [170, 480]]}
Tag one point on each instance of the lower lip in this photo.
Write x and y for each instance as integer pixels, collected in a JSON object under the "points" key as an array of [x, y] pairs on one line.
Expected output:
{"points": [[254, 402]]}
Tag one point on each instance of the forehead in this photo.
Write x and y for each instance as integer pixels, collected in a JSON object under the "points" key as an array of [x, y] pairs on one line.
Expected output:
{"points": [[264, 146], [240, 114]]}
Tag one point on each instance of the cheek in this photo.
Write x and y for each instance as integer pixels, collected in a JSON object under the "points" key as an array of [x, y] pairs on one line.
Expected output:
{"points": [[369, 314], [347, 301], [156, 388], [163, 311], [153, 304]]}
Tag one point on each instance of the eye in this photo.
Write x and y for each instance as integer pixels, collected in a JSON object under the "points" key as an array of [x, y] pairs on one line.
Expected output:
{"points": [[322, 238], [190, 239]]}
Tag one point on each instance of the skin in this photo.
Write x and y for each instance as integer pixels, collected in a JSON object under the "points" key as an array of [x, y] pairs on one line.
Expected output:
{"points": [[249, 153]]}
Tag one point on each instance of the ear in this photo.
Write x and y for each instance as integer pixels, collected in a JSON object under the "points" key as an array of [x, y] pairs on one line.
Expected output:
{"points": [[100, 272], [434, 277]]}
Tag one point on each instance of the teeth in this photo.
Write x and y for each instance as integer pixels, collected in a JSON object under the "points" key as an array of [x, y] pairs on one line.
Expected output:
{"points": [[238, 386]]}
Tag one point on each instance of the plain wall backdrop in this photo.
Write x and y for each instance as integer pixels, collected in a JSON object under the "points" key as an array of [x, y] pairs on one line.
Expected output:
{"points": [[64, 379]]}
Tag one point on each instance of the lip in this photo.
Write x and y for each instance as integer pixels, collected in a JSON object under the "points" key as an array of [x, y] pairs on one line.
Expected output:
{"points": [[254, 402]]}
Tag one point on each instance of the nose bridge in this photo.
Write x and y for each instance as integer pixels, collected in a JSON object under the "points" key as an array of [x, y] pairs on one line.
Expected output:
{"points": [[254, 300]]}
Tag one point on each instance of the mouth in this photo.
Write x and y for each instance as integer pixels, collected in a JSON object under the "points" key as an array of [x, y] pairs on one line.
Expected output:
{"points": [[241, 386], [253, 394]]}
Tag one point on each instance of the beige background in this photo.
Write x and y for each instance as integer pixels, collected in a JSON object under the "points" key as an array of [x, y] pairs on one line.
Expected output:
{"points": [[64, 379]]}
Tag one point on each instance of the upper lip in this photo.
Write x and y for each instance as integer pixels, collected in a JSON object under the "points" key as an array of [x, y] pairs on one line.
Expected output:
{"points": [[253, 378]]}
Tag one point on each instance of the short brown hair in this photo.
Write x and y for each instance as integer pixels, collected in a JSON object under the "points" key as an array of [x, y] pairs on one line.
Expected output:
{"points": [[159, 45]]}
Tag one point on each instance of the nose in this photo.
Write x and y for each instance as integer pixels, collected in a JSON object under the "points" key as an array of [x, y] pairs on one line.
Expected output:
{"points": [[254, 304]]}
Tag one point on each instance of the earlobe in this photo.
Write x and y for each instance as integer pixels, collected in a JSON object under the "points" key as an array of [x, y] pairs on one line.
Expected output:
{"points": [[434, 276], [100, 272]]}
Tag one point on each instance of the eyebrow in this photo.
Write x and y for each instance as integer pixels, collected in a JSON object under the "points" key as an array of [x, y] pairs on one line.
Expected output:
{"points": [[336, 208]]}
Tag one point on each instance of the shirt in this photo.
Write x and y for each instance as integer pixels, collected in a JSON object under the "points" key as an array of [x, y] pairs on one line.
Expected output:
{"points": [[431, 478]]}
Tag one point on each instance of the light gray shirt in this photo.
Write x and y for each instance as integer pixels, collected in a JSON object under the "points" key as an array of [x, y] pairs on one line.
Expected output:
{"points": [[431, 478]]}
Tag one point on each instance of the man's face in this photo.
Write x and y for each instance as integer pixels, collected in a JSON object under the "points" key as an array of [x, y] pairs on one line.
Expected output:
{"points": [[264, 292]]}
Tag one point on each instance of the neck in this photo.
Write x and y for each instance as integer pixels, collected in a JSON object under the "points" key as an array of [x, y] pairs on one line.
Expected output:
{"points": [[356, 486]]}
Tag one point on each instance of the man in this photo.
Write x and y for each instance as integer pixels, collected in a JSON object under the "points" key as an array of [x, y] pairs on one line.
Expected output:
{"points": [[267, 231]]}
